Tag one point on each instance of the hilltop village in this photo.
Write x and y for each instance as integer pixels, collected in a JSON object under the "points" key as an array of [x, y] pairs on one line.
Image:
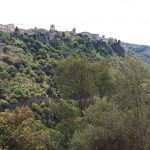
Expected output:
{"points": [[51, 33]]}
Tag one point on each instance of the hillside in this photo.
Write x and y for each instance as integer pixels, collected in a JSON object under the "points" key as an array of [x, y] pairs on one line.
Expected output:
{"points": [[28, 62], [142, 51], [71, 91]]}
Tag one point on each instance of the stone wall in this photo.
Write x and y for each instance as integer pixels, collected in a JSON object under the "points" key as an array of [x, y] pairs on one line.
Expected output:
{"points": [[91, 36]]}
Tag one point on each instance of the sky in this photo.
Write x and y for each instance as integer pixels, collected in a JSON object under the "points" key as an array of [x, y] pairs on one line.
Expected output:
{"points": [[127, 20]]}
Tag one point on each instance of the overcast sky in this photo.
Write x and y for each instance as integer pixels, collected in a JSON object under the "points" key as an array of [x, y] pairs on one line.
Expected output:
{"points": [[127, 20]]}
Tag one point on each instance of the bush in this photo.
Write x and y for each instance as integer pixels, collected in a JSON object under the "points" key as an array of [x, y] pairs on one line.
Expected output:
{"points": [[4, 103], [36, 107]]}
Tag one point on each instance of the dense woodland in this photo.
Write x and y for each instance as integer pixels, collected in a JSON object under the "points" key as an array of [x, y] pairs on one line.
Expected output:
{"points": [[72, 93]]}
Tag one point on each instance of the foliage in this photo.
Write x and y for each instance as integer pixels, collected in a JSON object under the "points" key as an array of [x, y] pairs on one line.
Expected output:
{"points": [[68, 93], [64, 115], [75, 81], [132, 95], [19, 130], [106, 128]]}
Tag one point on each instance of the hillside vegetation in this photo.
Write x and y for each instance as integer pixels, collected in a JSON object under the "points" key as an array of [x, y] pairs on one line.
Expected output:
{"points": [[143, 51], [71, 93]]}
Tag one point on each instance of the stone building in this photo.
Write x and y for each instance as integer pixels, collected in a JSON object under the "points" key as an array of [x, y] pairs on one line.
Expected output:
{"points": [[111, 40], [74, 31], [91, 36], [32, 31], [7, 28], [11, 27]]}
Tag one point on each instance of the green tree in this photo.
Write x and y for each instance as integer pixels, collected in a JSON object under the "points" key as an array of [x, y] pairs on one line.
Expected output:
{"points": [[131, 79], [102, 78], [19, 130], [64, 114], [105, 127], [75, 81]]}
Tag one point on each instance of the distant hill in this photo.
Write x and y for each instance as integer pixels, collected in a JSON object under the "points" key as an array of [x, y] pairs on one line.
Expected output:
{"points": [[141, 50]]}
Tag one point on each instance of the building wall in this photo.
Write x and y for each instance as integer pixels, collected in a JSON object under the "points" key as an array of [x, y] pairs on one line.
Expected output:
{"points": [[7, 28], [11, 27]]}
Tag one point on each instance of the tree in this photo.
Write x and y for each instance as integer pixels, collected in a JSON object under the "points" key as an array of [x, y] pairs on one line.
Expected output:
{"points": [[16, 32], [131, 79], [105, 128], [64, 114], [102, 78], [20, 130], [75, 81]]}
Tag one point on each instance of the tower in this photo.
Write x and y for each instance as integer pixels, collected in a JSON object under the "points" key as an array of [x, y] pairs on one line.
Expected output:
{"points": [[52, 27], [74, 31]]}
